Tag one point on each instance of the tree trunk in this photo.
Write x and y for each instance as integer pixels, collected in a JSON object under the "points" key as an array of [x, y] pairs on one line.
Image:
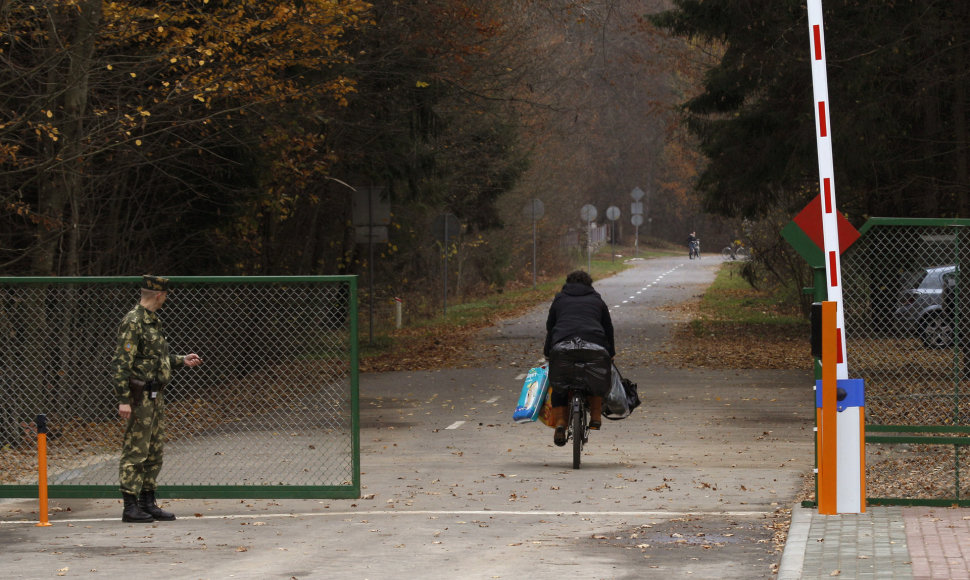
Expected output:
{"points": [[60, 187], [959, 115], [61, 176]]}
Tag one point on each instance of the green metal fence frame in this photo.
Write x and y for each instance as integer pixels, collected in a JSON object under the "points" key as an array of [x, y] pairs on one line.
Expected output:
{"points": [[913, 438], [957, 443], [814, 256], [351, 491]]}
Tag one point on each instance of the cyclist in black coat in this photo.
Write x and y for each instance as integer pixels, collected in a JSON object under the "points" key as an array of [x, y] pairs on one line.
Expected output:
{"points": [[578, 329]]}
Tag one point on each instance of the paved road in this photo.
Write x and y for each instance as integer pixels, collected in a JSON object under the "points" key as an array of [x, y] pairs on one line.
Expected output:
{"points": [[694, 484]]}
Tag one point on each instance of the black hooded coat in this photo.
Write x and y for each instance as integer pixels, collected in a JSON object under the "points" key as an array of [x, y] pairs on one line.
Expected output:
{"points": [[579, 311]]}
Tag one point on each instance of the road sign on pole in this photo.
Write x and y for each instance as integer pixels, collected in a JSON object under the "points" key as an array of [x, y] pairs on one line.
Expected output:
{"points": [[612, 214], [534, 211], [371, 213], [588, 213], [636, 208], [637, 221], [446, 227]]}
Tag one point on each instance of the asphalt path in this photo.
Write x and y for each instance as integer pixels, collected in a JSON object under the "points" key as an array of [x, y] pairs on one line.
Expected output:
{"points": [[695, 484]]}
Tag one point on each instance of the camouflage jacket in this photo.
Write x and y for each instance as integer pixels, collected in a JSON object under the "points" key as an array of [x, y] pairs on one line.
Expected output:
{"points": [[141, 353]]}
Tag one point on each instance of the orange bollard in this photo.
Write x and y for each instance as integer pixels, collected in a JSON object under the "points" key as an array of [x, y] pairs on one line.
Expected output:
{"points": [[42, 468]]}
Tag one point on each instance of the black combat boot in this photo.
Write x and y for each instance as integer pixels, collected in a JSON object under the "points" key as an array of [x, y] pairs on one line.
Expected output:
{"points": [[132, 512], [146, 501]]}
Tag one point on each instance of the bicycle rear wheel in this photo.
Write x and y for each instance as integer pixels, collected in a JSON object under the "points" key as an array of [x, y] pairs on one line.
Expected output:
{"points": [[727, 254], [578, 421]]}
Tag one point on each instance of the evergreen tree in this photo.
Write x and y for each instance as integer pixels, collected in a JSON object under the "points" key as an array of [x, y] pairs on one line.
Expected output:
{"points": [[898, 92]]}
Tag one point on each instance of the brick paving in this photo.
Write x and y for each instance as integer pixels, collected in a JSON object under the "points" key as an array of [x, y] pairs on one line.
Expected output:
{"points": [[939, 542], [897, 543]]}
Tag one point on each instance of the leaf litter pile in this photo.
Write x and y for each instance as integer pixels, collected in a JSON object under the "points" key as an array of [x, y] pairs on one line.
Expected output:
{"points": [[703, 342]]}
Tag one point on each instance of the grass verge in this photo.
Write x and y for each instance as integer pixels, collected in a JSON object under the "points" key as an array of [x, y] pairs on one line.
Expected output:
{"points": [[736, 326], [731, 299]]}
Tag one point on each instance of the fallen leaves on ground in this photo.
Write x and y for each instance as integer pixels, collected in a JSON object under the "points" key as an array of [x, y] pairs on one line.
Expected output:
{"points": [[724, 345]]}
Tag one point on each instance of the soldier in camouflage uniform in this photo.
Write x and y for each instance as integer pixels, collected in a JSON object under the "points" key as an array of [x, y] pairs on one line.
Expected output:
{"points": [[141, 368]]}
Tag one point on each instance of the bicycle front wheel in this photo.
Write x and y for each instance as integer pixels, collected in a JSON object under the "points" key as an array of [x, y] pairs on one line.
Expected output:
{"points": [[579, 427], [727, 254]]}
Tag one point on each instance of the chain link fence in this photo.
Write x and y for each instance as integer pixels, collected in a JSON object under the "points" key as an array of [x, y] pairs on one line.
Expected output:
{"points": [[906, 308], [272, 412]]}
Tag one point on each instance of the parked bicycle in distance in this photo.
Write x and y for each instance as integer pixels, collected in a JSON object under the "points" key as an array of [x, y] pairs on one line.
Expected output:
{"points": [[736, 251]]}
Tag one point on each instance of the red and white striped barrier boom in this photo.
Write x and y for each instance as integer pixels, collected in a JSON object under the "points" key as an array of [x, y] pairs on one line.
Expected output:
{"points": [[840, 433]]}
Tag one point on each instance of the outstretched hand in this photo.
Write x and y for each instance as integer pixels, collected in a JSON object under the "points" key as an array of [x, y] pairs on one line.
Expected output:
{"points": [[192, 360]]}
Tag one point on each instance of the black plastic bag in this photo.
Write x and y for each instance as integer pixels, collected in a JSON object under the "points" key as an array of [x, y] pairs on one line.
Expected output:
{"points": [[631, 393], [576, 362], [623, 398]]}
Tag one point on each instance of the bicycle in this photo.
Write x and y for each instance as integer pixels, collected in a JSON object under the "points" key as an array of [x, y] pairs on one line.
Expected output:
{"points": [[577, 425], [694, 249], [736, 251], [576, 370]]}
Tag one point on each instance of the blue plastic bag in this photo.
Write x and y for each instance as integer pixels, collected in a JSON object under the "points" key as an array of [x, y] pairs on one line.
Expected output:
{"points": [[534, 393]]}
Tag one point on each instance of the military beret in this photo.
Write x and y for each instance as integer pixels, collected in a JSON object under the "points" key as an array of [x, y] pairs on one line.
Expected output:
{"points": [[149, 282]]}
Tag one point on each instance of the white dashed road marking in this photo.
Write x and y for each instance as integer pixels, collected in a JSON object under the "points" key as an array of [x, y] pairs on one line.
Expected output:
{"points": [[644, 289]]}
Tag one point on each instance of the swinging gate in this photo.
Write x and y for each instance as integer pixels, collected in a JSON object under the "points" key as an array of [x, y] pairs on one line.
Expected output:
{"points": [[906, 315], [272, 412]]}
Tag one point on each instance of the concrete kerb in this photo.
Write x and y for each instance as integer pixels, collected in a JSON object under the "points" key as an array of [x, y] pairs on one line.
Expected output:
{"points": [[793, 558]]}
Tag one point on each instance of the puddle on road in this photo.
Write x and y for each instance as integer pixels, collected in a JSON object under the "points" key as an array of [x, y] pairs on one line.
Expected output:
{"points": [[690, 532], [694, 540]]}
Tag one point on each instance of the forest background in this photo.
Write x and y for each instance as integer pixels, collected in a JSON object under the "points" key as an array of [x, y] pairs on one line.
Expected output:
{"points": [[218, 137]]}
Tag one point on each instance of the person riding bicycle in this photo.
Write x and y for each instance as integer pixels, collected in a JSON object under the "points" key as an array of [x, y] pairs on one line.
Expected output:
{"points": [[580, 349], [692, 242]]}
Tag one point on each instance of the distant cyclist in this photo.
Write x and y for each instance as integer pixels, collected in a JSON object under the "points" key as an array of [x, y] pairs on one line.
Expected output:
{"points": [[580, 348], [693, 246]]}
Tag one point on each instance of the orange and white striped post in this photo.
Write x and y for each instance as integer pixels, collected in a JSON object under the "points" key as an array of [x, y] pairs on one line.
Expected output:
{"points": [[826, 415], [841, 435]]}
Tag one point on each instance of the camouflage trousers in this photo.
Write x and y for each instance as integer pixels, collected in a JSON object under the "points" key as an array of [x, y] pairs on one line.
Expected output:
{"points": [[141, 452]]}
